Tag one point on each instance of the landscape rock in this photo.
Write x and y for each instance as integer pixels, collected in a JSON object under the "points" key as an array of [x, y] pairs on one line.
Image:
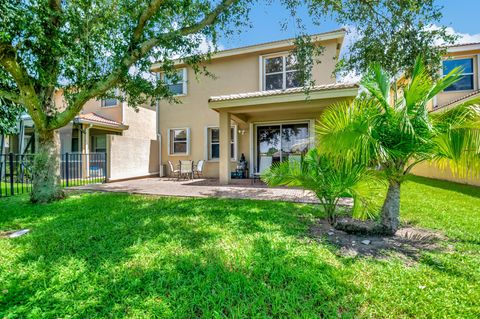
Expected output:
{"points": [[366, 242]]}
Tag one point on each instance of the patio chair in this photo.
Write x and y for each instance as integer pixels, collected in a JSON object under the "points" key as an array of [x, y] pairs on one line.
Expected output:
{"points": [[173, 172], [199, 168], [186, 169]]}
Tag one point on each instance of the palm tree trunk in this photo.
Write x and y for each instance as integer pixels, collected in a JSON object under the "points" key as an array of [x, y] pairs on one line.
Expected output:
{"points": [[46, 169], [391, 209]]}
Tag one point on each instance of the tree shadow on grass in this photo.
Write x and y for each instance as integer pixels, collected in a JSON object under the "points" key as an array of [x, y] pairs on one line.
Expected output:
{"points": [[469, 190], [118, 255]]}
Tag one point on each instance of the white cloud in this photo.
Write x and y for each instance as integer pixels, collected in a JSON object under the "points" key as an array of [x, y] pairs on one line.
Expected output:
{"points": [[462, 37]]}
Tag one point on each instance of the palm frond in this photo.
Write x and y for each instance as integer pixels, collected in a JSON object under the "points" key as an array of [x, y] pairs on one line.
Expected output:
{"points": [[377, 83]]}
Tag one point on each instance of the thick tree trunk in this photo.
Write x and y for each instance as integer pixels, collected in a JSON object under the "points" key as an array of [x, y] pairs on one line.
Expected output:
{"points": [[46, 170], [391, 209]]}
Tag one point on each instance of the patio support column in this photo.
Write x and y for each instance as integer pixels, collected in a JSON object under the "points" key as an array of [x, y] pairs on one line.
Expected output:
{"points": [[224, 164]]}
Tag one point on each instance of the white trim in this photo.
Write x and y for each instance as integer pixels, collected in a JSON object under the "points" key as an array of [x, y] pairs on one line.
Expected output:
{"points": [[207, 143], [169, 139], [260, 72], [478, 70], [284, 55]]}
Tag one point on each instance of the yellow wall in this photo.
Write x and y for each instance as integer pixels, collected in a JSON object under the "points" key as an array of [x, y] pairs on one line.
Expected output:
{"points": [[237, 74], [432, 171]]}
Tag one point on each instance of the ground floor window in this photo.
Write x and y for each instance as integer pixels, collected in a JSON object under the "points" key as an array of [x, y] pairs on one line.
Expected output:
{"points": [[281, 142], [99, 143], [178, 141], [213, 136]]}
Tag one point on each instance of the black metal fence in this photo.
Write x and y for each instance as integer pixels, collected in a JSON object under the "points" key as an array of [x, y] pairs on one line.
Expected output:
{"points": [[76, 169]]}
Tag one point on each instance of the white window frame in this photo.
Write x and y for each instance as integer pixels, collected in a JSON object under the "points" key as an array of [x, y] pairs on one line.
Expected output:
{"points": [[117, 92], [184, 81], [170, 153], [263, 73], [462, 74], [208, 143]]}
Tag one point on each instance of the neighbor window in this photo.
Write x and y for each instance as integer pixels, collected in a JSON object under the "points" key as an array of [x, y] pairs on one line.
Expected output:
{"points": [[213, 135], [110, 102], [280, 72], [466, 80], [176, 84], [178, 140]]}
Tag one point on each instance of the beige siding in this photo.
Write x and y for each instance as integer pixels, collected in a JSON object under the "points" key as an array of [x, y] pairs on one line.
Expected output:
{"points": [[237, 74], [131, 157]]}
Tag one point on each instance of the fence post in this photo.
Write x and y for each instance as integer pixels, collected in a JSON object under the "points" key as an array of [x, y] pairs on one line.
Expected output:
{"points": [[105, 164], [67, 170], [10, 159]]}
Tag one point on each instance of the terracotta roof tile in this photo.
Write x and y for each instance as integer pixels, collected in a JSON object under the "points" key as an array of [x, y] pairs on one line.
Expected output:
{"points": [[324, 87], [95, 118], [460, 99]]}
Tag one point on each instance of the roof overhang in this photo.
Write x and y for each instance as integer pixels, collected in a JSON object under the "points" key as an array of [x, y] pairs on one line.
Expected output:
{"points": [[275, 45], [114, 127], [252, 99], [463, 47]]}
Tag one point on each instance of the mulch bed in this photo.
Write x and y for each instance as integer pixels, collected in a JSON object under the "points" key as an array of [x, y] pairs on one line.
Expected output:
{"points": [[408, 242]]}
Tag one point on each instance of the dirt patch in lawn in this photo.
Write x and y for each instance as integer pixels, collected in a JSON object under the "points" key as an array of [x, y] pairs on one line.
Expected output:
{"points": [[408, 242]]}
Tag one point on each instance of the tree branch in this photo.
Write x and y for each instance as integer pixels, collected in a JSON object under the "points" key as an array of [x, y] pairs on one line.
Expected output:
{"points": [[11, 96], [11, 62], [135, 54]]}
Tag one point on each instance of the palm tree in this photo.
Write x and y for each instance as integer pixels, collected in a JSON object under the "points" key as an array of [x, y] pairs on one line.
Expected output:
{"points": [[397, 133], [328, 178]]}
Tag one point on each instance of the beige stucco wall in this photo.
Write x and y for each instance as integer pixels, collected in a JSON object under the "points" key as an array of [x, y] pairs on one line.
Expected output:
{"points": [[238, 74], [131, 157], [432, 171], [141, 123]]}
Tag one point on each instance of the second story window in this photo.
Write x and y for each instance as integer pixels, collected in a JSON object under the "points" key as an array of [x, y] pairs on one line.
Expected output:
{"points": [[110, 102], [176, 84], [466, 82], [280, 72]]}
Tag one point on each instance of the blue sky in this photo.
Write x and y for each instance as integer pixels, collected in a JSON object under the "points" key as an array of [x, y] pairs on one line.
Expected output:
{"points": [[461, 15]]}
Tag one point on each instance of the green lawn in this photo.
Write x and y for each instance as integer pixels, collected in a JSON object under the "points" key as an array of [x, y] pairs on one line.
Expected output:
{"points": [[116, 255]]}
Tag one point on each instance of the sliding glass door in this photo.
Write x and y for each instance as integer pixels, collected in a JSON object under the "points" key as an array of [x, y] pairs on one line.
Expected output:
{"points": [[280, 142]]}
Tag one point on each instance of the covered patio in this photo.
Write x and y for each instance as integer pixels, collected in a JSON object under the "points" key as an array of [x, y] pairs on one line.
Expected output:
{"points": [[281, 123]]}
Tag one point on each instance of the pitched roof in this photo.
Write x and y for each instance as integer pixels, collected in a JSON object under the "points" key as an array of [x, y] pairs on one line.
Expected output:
{"points": [[334, 34], [458, 100], [93, 118], [316, 88]]}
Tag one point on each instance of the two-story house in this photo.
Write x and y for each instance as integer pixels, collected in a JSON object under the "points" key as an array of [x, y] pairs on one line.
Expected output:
{"points": [[254, 106], [466, 56]]}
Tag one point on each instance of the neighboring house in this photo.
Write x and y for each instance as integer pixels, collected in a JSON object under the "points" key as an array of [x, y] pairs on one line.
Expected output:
{"points": [[103, 126], [466, 56], [254, 106]]}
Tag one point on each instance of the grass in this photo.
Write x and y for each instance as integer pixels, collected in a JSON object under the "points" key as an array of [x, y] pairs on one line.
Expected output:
{"points": [[117, 255]]}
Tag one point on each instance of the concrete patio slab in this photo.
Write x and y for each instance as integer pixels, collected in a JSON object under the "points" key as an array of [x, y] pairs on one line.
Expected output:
{"points": [[239, 189]]}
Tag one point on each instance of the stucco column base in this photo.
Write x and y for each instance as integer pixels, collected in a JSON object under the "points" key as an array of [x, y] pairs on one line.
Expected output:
{"points": [[224, 164]]}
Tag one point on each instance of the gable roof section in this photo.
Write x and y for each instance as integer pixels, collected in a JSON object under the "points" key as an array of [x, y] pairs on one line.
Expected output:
{"points": [[95, 119], [279, 44]]}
